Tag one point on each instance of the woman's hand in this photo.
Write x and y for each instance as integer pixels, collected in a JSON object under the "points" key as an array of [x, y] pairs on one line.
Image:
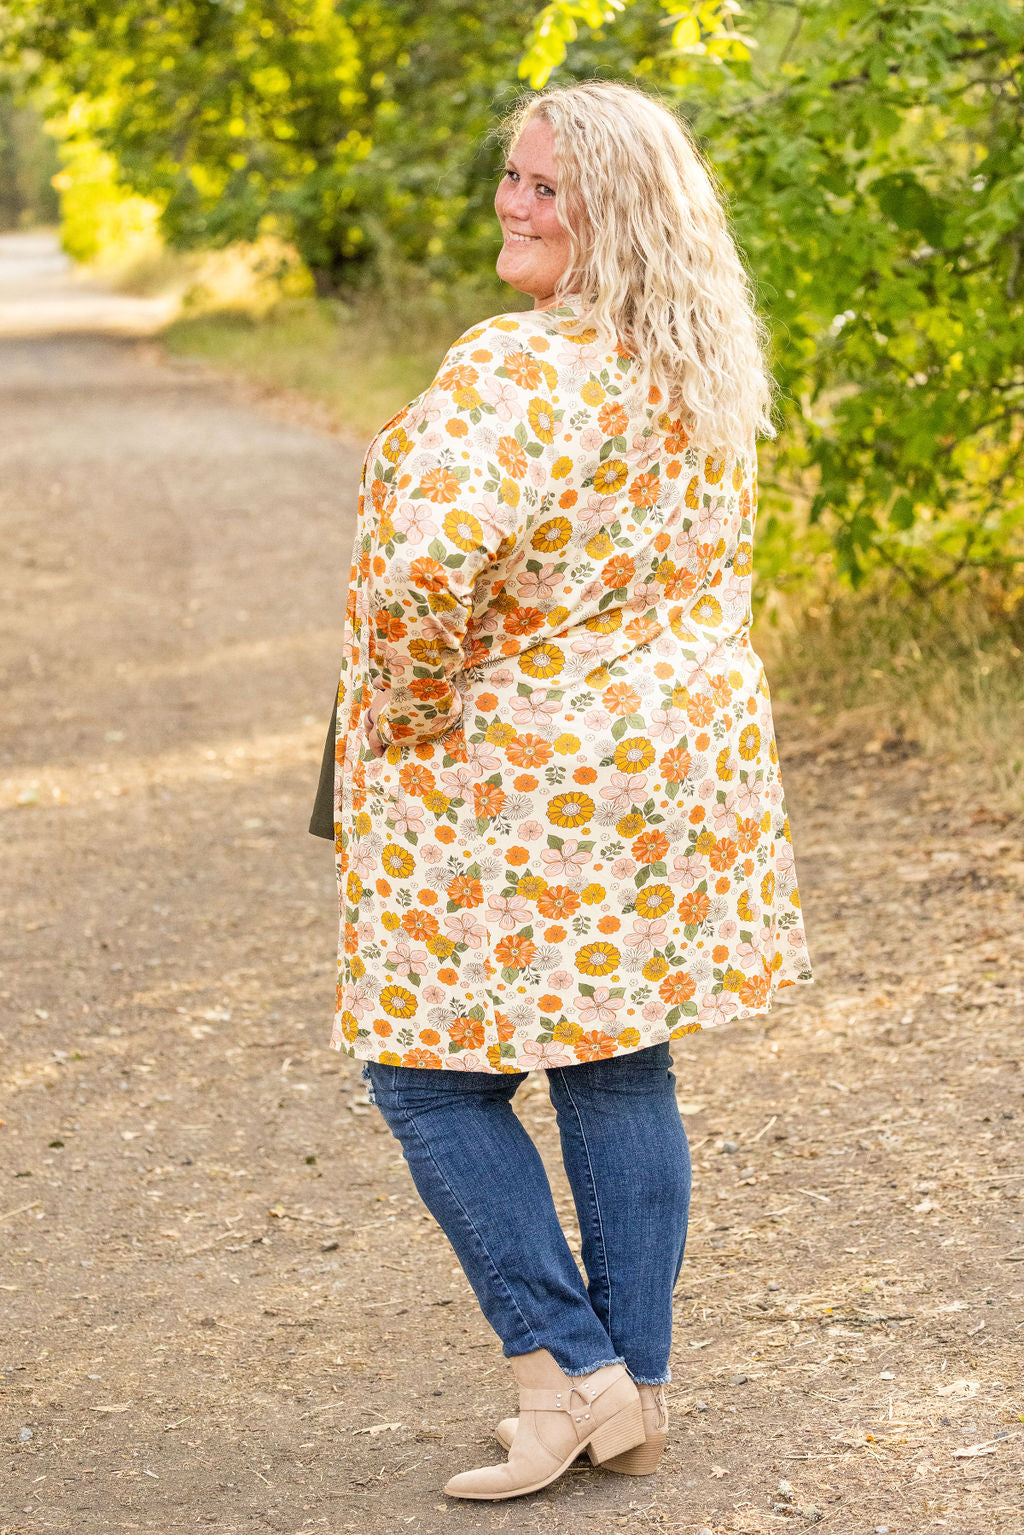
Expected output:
{"points": [[373, 740]]}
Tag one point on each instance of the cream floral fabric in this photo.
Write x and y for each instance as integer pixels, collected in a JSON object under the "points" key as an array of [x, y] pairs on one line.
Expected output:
{"points": [[577, 844]]}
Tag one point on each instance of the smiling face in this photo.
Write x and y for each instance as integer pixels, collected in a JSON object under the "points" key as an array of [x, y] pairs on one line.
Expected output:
{"points": [[535, 251]]}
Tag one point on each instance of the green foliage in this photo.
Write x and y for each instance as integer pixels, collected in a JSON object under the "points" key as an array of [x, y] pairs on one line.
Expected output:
{"points": [[28, 162], [872, 154]]}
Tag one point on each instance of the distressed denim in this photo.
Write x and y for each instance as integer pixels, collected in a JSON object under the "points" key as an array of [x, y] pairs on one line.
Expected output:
{"points": [[481, 1177]]}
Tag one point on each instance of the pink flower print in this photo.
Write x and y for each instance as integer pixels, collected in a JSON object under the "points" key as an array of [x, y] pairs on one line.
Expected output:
{"points": [[358, 1000], [405, 817], [529, 831], [413, 519], [688, 871], [590, 439], [775, 793], [542, 1057], [393, 661], [625, 789], [433, 995], [431, 441], [592, 648], [559, 980], [714, 1010], [501, 677], [783, 858], [648, 934], [431, 853], [482, 756], [507, 912], [624, 868], [707, 788], [467, 1061], [643, 450], [366, 933], [364, 860], [600, 1008], [728, 928], [597, 512], [653, 1012], [748, 956], [502, 397], [723, 813], [537, 709], [597, 720], [538, 474], [593, 591], [458, 781], [567, 861], [488, 513], [535, 586], [748, 797], [667, 724], [405, 961], [463, 927]]}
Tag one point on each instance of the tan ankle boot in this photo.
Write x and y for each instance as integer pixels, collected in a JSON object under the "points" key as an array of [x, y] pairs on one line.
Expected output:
{"points": [[559, 1415], [643, 1458]]}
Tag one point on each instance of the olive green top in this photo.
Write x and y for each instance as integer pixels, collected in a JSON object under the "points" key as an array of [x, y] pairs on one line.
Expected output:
{"points": [[321, 822]]}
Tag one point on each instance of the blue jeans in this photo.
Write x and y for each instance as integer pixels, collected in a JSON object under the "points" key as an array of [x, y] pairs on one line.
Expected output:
{"points": [[481, 1177]]}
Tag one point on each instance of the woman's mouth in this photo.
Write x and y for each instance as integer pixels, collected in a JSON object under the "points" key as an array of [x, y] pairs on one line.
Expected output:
{"points": [[517, 239]]}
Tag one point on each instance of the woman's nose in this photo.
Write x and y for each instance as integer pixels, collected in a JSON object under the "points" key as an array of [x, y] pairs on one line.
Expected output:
{"points": [[517, 202]]}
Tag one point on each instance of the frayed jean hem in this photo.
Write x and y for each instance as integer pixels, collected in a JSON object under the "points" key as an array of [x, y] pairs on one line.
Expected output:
{"points": [[640, 1380], [589, 1369]]}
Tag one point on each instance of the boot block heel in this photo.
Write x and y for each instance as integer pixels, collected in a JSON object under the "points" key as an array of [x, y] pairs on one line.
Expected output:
{"points": [[625, 1431], [642, 1460]]}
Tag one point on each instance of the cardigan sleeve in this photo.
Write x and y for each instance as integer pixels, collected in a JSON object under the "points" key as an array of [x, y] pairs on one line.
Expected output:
{"points": [[448, 514]]}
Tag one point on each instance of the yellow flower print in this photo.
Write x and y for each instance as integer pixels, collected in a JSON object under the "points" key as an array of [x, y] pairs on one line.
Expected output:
{"points": [[390, 1058], [705, 841], [391, 920], [743, 907], [354, 889], [737, 474], [349, 1026], [541, 415], [607, 623], [560, 468], [629, 1038], [396, 445], [768, 887], [610, 477], [436, 802], [794, 899], [773, 751], [722, 767], [531, 885], [593, 392], [692, 499], [357, 967], [397, 861], [498, 734], [714, 468], [542, 661], [571, 809], [566, 744], [567, 1033], [732, 980], [363, 824], [634, 754], [743, 559], [441, 947], [630, 825], [592, 894], [707, 611], [552, 535], [655, 968], [467, 399], [509, 492], [654, 901], [750, 742], [598, 958], [397, 1002], [600, 546], [464, 531]]}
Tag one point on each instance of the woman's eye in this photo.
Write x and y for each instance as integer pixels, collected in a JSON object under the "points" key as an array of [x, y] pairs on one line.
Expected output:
{"points": [[512, 175], [547, 191]]}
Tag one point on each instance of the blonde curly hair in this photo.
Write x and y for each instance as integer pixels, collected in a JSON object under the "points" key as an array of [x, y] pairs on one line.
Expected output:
{"points": [[652, 260]]}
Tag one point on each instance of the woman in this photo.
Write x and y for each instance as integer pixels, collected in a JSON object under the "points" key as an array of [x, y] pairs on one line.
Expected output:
{"points": [[561, 833]]}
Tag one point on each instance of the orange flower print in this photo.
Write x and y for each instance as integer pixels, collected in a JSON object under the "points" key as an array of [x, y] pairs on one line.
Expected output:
{"points": [[651, 847], [515, 952], [488, 799], [613, 420], [581, 812], [511, 457], [619, 571], [645, 490], [694, 908], [558, 901], [465, 891], [529, 751], [420, 924], [595, 1046], [439, 485], [416, 779], [676, 764], [621, 699], [676, 988], [523, 370], [467, 1033]]}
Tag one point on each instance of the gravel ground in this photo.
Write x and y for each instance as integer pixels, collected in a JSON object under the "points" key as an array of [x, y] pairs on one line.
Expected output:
{"points": [[225, 1307]]}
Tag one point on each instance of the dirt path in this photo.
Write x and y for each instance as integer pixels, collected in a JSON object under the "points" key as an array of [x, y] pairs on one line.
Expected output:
{"points": [[225, 1307]]}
